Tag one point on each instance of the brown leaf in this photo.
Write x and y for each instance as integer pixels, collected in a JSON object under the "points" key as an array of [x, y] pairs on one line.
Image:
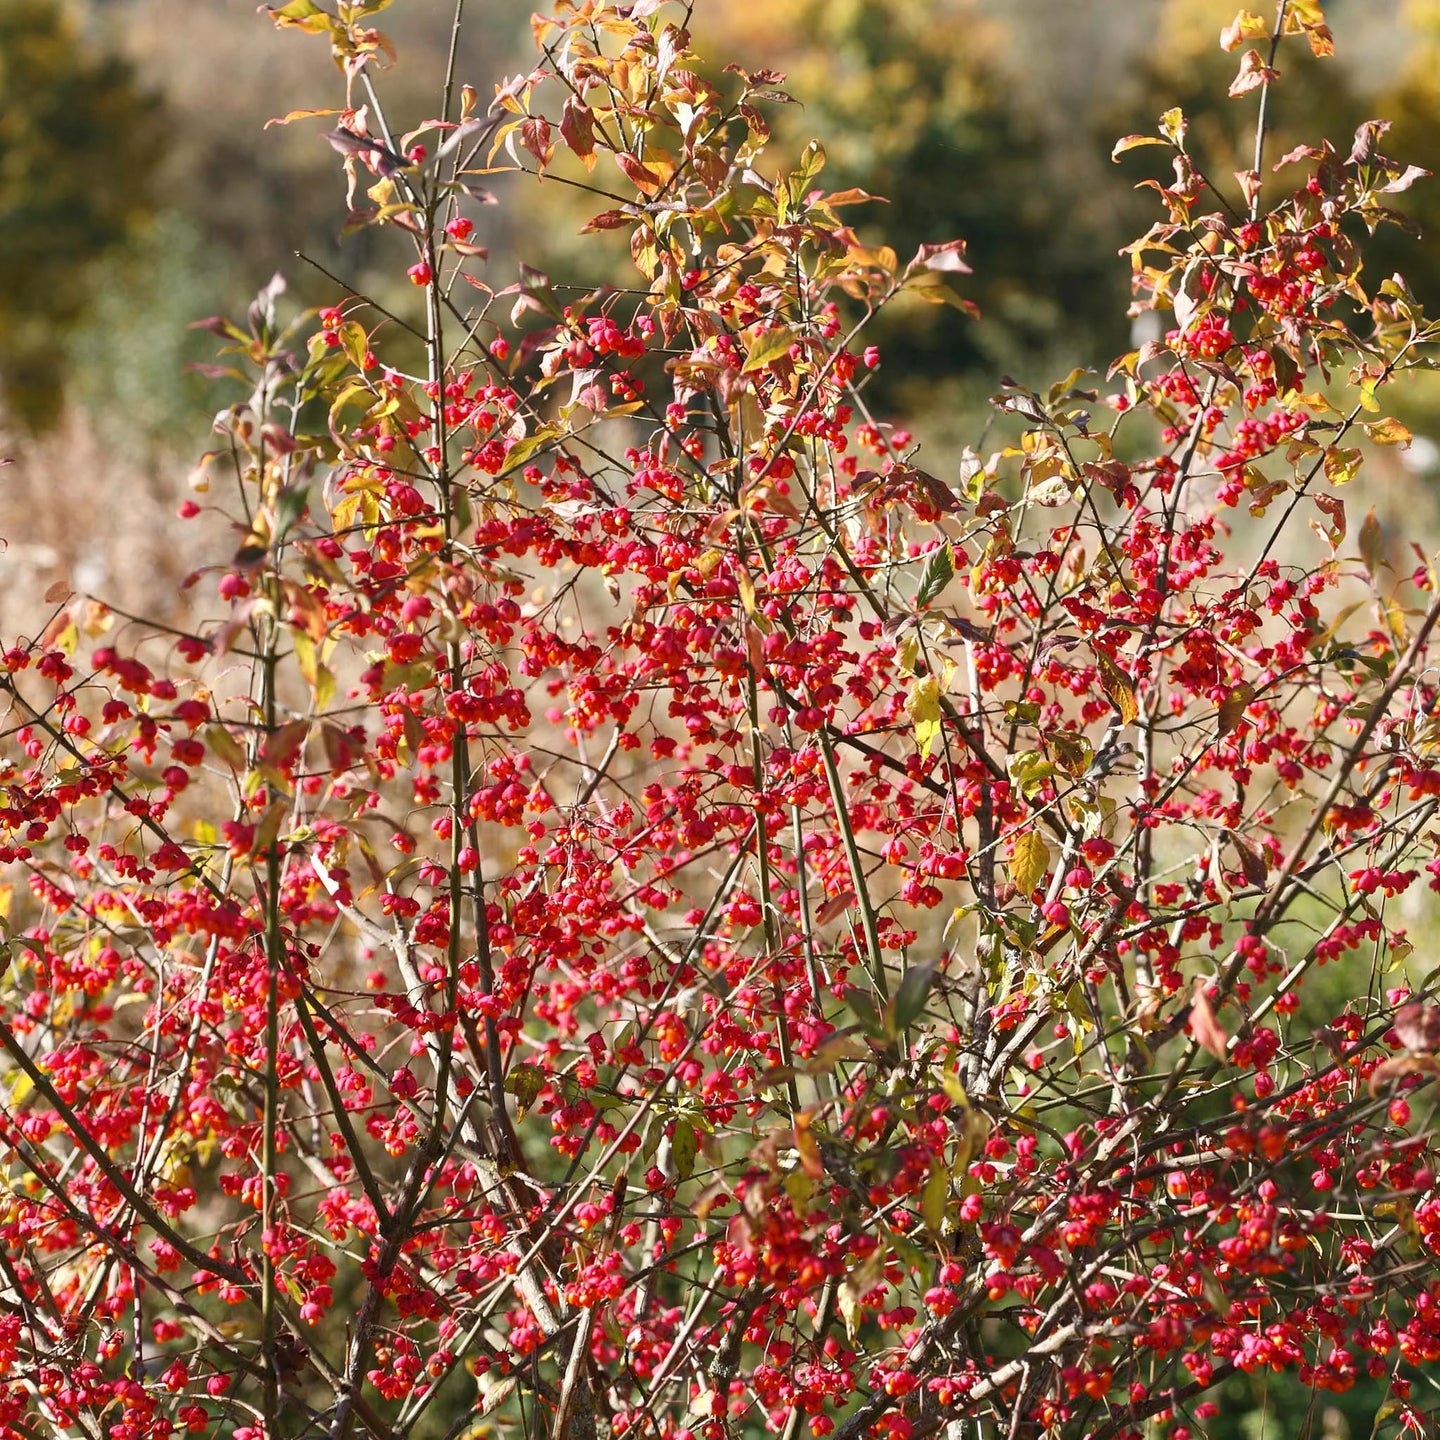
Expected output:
{"points": [[1366, 137], [1333, 508], [280, 747], [384, 161], [608, 220], [1252, 862], [807, 1148]]}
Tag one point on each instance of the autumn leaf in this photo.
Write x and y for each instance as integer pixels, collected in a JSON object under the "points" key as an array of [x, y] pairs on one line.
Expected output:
{"points": [[1417, 1025], [577, 129], [1116, 684], [1232, 707], [1206, 1029], [1029, 860], [1342, 464], [535, 137], [1252, 75], [640, 176], [1133, 142], [1372, 544], [1389, 432], [923, 707], [1245, 26]]}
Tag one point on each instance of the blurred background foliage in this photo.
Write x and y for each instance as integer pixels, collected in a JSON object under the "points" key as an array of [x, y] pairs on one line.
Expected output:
{"points": [[139, 188], [79, 151]]}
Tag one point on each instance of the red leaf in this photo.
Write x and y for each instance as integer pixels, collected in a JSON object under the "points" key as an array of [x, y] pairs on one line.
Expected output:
{"points": [[607, 220], [577, 129], [1208, 1032], [1418, 1027], [535, 137], [834, 907]]}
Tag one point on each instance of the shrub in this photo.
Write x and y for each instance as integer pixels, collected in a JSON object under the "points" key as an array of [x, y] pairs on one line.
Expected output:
{"points": [[649, 913]]}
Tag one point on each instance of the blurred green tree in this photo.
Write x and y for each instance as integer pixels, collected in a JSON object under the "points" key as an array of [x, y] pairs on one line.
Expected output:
{"points": [[1414, 103], [130, 352], [960, 153], [78, 147]]}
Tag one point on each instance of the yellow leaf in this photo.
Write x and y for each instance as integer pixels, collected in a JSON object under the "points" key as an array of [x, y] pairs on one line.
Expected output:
{"points": [[1341, 465], [1245, 26], [1029, 860], [1116, 684], [1389, 432], [747, 592], [1133, 142], [923, 707]]}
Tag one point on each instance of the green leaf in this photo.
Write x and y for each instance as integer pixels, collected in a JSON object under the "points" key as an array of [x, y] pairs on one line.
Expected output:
{"points": [[523, 449], [1028, 771], [684, 1146], [915, 986], [524, 1082], [935, 1197], [767, 346], [938, 572], [290, 505], [863, 1009]]}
